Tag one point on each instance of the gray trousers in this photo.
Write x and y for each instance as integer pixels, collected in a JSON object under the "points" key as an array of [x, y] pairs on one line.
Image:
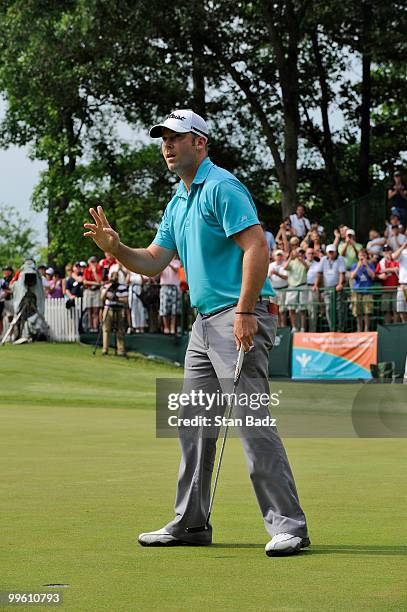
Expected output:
{"points": [[209, 364]]}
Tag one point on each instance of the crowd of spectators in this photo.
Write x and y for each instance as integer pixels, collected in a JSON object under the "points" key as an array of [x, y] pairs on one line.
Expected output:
{"points": [[321, 281], [326, 282]]}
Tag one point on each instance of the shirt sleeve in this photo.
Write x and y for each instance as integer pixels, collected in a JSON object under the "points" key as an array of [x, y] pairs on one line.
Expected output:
{"points": [[164, 236], [234, 208], [342, 266]]}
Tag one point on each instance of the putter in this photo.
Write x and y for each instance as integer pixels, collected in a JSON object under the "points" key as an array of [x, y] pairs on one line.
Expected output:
{"points": [[238, 370]]}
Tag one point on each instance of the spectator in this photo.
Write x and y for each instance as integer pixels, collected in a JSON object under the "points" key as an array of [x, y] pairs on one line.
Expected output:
{"points": [[105, 264], [313, 265], [387, 272], [68, 274], [121, 271], [74, 281], [311, 240], [362, 274], [299, 222], [46, 279], [92, 281], [137, 310], [294, 244], [375, 244], [42, 271], [340, 234], [55, 286], [6, 302], [395, 238], [349, 249], [401, 256], [397, 197], [278, 277], [268, 236], [297, 283], [170, 296], [331, 272], [284, 233]]}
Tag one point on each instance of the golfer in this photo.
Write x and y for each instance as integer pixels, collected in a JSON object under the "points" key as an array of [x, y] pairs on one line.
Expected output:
{"points": [[212, 223]]}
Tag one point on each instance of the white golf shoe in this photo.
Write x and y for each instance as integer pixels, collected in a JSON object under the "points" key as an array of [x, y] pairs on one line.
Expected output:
{"points": [[285, 544], [159, 538]]}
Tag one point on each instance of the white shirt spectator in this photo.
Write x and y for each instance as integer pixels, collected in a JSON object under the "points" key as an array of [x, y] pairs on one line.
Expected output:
{"points": [[122, 273], [313, 272], [375, 246], [396, 241], [276, 281], [331, 269], [300, 224]]}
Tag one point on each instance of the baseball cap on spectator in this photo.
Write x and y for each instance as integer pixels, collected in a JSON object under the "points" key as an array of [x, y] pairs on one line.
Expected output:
{"points": [[278, 252], [82, 264], [49, 270], [397, 173], [7, 269], [387, 247], [42, 266], [92, 258], [181, 121], [331, 248], [350, 232]]}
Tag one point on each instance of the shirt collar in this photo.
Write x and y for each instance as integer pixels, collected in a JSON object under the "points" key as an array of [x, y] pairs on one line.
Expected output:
{"points": [[200, 177]]}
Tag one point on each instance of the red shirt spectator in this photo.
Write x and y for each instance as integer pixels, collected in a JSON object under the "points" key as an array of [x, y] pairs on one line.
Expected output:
{"points": [[387, 277], [106, 264], [92, 273]]}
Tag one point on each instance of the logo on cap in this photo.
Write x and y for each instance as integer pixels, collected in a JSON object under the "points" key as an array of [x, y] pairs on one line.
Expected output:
{"points": [[174, 116]]}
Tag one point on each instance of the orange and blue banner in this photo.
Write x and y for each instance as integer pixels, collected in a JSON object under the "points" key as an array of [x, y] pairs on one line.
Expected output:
{"points": [[333, 355]]}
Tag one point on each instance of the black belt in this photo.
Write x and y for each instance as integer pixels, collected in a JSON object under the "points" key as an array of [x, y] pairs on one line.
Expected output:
{"points": [[215, 312]]}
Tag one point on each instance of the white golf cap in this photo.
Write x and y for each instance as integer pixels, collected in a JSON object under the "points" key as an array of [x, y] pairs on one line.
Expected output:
{"points": [[331, 248], [49, 271], [181, 121], [350, 232]]}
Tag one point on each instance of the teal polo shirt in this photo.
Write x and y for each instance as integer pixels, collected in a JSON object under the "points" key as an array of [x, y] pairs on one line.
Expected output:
{"points": [[200, 225]]}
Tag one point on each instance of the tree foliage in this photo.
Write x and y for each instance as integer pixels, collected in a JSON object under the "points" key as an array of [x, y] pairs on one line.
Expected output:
{"points": [[268, 75], [17, 238]]}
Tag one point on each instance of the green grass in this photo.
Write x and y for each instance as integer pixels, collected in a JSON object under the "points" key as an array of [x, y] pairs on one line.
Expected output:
{"points": [[82, 473]]}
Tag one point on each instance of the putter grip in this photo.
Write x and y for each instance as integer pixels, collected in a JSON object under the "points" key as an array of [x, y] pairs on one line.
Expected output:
{"points": [[239, 364]]}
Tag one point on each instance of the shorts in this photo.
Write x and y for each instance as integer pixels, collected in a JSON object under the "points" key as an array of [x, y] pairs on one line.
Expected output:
{"points": [[280, 299], [402, 298], [92, 299], [388, 301], [297, 298], [170, 301], [362, 303]]}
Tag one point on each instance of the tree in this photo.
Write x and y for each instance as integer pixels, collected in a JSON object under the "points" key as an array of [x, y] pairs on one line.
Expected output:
{"points": [[65, 67], [17, 238]]}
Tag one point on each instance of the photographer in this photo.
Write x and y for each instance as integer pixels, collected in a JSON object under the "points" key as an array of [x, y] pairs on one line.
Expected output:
{"points": [[115, 296]]}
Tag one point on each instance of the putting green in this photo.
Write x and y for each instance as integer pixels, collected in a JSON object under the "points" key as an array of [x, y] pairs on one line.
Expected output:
{"points": [[82, 474]]}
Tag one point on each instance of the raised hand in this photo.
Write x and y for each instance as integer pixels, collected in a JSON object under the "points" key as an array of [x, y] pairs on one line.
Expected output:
{"points": [[101, 232]]}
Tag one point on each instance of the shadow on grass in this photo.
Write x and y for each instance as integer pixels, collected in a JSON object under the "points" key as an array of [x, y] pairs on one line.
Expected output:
{"points": [[334, 549]]}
